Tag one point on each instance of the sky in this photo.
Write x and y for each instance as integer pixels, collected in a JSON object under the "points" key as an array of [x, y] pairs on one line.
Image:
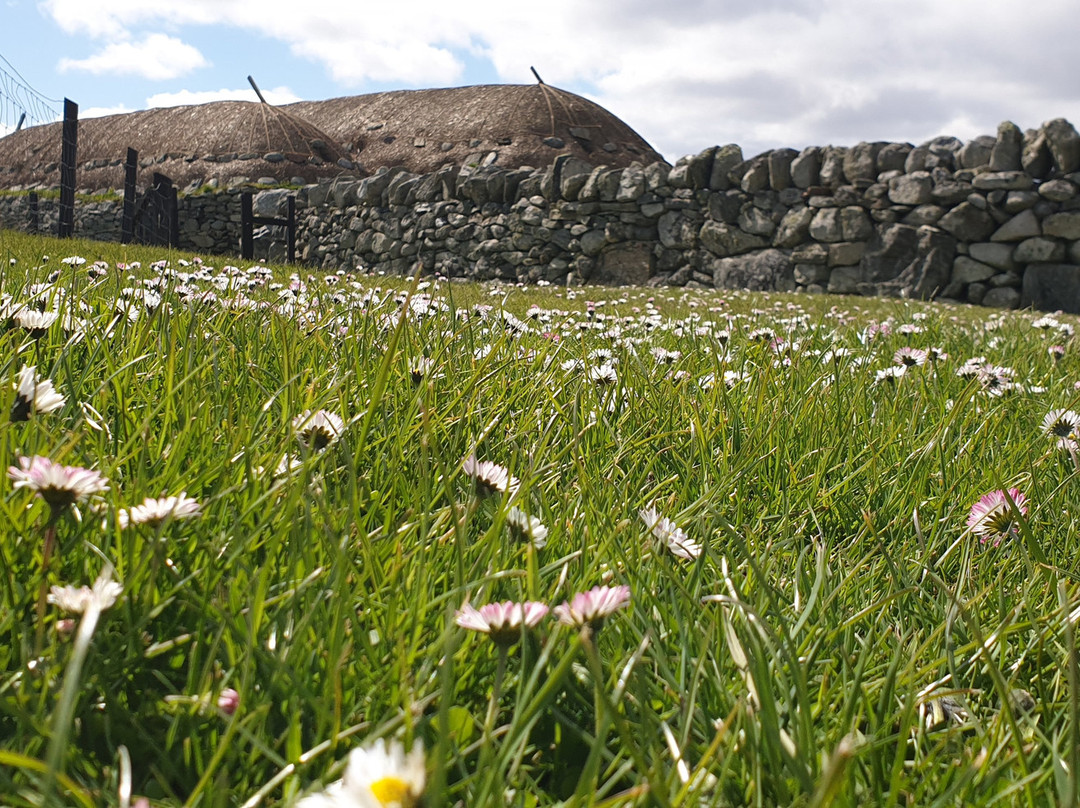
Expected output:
{"points": [[685, 74]]}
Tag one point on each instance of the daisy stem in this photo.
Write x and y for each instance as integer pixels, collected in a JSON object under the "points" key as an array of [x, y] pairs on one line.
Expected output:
{"points": [[1075, 458], [43, 592], [493, 708]]}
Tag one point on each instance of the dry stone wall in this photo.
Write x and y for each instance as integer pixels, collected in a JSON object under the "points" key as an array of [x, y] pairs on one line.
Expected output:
{"points": [[994, 221]]}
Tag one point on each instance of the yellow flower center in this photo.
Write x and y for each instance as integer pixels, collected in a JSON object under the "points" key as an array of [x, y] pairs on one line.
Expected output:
{"points": [[392, 791]]}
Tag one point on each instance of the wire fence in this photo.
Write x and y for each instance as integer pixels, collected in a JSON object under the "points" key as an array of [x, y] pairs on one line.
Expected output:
{"points": [[20, 104]]}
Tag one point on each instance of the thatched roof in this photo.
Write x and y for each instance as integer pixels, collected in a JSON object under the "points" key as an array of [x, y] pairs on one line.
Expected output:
{"points": [[421, 130], [526, 124], [189, 144]]}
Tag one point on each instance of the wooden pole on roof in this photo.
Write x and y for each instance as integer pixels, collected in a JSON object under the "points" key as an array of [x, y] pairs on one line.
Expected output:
{"points": [[533, 69], [255, 87]]}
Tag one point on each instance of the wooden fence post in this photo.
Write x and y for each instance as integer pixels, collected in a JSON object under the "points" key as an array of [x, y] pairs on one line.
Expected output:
{"points": [[247, 241], [32, 202], [68, 156], [131, 173], [290, 230]]}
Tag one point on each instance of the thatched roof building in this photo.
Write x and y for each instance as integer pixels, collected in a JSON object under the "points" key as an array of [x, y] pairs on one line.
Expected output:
{"points": [[525, 124], [422, 130]]}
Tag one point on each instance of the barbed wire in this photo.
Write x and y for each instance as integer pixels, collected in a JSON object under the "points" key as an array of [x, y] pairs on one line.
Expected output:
{"points": [[20, 103]]}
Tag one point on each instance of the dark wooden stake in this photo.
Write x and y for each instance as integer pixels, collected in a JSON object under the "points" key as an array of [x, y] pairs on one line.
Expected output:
{"points": [[131, 173], [68, 156]]}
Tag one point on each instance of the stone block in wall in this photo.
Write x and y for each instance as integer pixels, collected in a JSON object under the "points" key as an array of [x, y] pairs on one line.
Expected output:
{"points": [[794, 228], [725, 159], [855, 224], [831, 172], [1039, 250], [1021, 226], [966, 222], [756, 221], [846, 253], [1057, 190], [1074, 253], [626, 263], [780, 161], [725, 240], [1003, 181], [1062, 225], [947, 192], [1050, 287], [893, 157], [845, 281], [756, 177], [810, 253], [908, 261], [1063, 141], [860, 161], [993, 254], [806, 168], [1016, 201], [967, 270], [765, 270], [631, 184], [976, 152], [911, 189], [825, 226], [807, 274], [677, 230], [1002, 298], [923, 215], [401, 190], [725, 206], [1035, 157], [1008, 146]]}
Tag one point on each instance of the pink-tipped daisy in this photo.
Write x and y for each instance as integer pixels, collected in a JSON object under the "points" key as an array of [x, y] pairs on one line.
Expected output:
{"points": [[910, 357], [503, 622], [593, 607], [157, 511], [489, 477], [59, 485], [992, 518], [34, 395]]}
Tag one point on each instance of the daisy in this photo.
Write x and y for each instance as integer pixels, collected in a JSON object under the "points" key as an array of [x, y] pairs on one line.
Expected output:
{"points": [[378, 775], [156, 511], [526, 529], [603, 374], [420, 368], [35, 322], [593, 607], [490, 477], [673, 538], [992, 517], [890, 374], [503, 622], [910, 357], [78, 599], [1063, 425], [58, 485], [34, 395], [317, 430]]}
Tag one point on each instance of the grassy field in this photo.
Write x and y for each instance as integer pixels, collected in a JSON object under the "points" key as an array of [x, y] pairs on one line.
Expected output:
{"points": [[812, 616]]}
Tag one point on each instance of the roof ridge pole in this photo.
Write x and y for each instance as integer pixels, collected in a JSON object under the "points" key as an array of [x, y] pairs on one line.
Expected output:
{"points": [[255, 87], [533, 69]]}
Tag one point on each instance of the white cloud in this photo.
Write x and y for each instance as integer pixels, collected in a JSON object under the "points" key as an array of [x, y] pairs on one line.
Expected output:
{"points": [[278, 95], [687, 73], [156, 57], [101, 112]]}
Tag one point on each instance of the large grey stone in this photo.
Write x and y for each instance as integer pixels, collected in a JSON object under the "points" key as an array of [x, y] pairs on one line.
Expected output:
{"points": [[1039, 250], [924, 214], [807, 274], [845, 281], [780, 161], [1062, 225], [1017, 201], [968, 270], [1003, 181], [725, 240], [794, 228], [756, 177], [831, 172], [846, 253], [1057, 190], [911, 189], [569, 175], [1021, 226], [1003, 297], [1008, 147], [631, 184], [855, 224], [631, 262], [725, 159], [1064, 143], [908, 261], [976, 152], [994, 254], [765, 270], [1050, 287], [593, 242], [676, 230], [893, 156], [860, 162], [756, 221], [967, 223], [806, 168], [272, 203], [825, 226], [1035, 158]]}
